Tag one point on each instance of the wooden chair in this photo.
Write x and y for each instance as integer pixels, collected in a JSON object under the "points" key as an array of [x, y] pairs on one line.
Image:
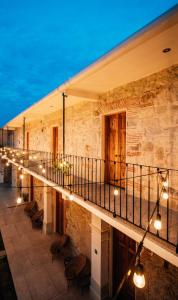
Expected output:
{"points": [[77, 269], [37, 219], [58, 245], [31, 208]]}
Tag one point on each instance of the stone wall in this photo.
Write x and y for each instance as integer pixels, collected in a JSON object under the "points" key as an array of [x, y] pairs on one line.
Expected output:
{"points": [[151, 106], [77, 226], [161, 279], [38, 192]]}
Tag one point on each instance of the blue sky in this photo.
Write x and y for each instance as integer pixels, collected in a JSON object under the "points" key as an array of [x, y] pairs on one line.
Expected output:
{"points": [[43, 43]]}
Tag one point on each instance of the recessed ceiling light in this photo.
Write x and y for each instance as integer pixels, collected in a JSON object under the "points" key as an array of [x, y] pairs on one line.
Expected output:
{"points": [[165, 50]]}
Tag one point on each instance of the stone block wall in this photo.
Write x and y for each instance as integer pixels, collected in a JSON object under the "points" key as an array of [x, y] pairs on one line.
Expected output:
{"points": [[151, 106], [38, 192], [77, 226], [161, 279]]}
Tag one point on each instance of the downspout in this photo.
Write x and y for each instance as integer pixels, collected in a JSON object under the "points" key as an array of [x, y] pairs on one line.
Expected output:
{"points": [[24, 119], [63, 121]]}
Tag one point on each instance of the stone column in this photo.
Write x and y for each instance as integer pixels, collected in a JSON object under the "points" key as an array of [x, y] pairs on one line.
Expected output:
{"points": [[47, 222], [100, 241], [14, 175]]}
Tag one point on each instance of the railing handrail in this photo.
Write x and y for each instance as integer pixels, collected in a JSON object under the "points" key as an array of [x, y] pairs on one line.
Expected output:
{"points": [[94, 158]]}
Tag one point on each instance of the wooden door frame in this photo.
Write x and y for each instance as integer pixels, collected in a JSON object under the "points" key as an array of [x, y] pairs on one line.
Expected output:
{"points": [[54, 142], [28, 140], [111, 278], [103, 141]]}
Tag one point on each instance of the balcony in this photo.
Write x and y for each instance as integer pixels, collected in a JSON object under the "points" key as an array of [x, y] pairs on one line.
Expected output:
{"points": [[137, 194]]}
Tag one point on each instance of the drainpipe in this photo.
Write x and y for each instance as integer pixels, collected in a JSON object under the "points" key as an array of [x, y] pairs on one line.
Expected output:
{"points": [[24, 119], [63, 120]]}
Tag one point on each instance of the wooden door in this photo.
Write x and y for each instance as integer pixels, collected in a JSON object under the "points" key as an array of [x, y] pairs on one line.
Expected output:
{"points": [[59, 213], [115, 148], [55, 141], [27, 140], [124, 250]]}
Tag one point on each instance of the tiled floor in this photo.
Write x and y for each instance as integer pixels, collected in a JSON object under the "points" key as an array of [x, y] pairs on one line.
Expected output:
{"points": [[35, 276]]}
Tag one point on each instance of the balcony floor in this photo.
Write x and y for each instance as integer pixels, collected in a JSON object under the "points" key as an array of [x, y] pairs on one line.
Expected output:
{"points": [[35, 276]]}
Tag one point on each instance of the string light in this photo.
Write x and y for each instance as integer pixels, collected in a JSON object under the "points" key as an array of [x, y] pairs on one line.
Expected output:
{"points": [[71, 196], [19, 200], [139, 277], [21, 176], [13, 159], [40, 166], [165, 195], [157, 222], [116, 192], [7, 163], [43, 171]]}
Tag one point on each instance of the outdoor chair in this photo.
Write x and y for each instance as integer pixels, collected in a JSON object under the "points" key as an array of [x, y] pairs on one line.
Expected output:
{"points": [[31, 208], [77, 270], [58, 245], [37, 219]]}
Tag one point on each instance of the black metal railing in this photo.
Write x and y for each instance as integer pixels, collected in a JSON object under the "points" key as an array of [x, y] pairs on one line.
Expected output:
{"points": [[127, 190]]}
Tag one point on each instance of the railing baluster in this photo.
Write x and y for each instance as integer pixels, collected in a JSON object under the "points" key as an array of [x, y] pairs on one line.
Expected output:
{"points": [[158, 195], [141, 196], [148, 197], [168, 207], [133, 196], [126, 191]]}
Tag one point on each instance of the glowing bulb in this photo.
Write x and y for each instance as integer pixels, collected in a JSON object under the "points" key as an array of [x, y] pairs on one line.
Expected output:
{"points": [[64, 163], [61, 164], [43, 171], [7, 164], [19, 168], [21, 176], [116, 192], [165, 195], [34, 157], [19, 200], [138, 277], [30, 157], [71, 197], [13, 159], [157, 222], [21, 161], [12, 155], [40, 166]]}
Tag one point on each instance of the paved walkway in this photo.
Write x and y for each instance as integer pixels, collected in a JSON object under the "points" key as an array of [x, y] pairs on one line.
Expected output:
{"points": [[35, 276]]}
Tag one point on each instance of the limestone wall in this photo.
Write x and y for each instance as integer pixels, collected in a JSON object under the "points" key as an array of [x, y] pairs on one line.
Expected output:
{"points": [[38, 192], [77, 226], [151, 106], [161, 279]]}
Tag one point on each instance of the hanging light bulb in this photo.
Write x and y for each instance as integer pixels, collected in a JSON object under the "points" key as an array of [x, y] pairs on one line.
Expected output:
{"points": [[71, 197], [19, 200], [116, 192], [21, 176], [43, 171], [7, 163], [13, 159], [34, 157], [30, 157], [19, 168], [138, 277], [40, 166], [157, 222], [165, 195], [21, 161]]}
